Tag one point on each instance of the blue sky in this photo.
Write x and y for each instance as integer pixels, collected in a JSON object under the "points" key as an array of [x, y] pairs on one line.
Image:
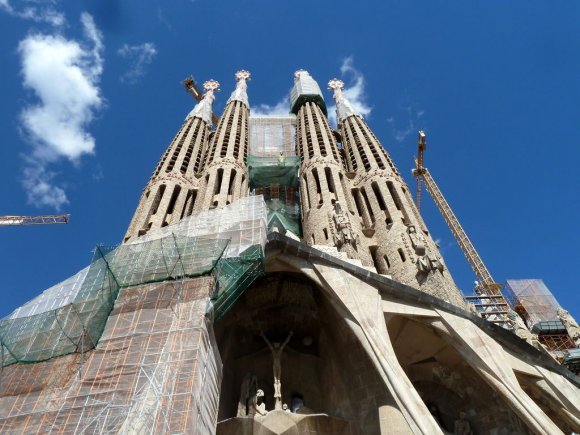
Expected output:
{"points": [[91, 96]]}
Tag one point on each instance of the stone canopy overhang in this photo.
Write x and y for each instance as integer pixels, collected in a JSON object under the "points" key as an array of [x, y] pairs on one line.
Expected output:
{"points": [[279, 246]]}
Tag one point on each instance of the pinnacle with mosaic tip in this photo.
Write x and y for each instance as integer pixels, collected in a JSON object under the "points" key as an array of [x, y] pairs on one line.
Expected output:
{"points": [[211, 85], [336, 84], [243, 75]]}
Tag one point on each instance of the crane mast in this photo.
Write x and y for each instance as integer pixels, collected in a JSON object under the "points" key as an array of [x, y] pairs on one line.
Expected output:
{"points": [[489, 299], [9, 221]]}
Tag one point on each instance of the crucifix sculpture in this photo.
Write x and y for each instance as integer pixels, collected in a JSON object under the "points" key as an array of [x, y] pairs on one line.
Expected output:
{"points": [[277, 349]]}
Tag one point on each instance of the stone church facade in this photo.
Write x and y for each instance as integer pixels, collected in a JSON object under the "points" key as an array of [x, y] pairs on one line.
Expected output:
{"points": [[328, 308]]}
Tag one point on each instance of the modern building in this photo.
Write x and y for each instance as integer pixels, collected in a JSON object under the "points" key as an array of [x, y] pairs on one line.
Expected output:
{"points": [[276, 278]]}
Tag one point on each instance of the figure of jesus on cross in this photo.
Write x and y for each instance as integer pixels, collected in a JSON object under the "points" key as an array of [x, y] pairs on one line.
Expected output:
{"points": [[277, 350]]}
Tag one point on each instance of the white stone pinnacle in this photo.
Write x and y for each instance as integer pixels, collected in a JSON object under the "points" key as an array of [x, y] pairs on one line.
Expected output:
{"points": [[240, 93], [203, 109], [343, 107]]}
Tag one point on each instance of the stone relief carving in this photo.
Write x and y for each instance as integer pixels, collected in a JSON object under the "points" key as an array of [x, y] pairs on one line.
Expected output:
{"points": [[277, 349], [426, 260], [571, 325], [248, 391], [344, 237], [257, 406], [462, 426]]}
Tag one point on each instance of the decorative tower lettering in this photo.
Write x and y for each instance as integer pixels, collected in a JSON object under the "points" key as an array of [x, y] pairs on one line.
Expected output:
{"points": [[225, 177], [172, 191], [393, 232]]}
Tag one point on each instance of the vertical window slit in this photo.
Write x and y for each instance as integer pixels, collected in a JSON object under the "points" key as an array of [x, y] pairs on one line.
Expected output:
{"points": [[232, 180], [394, 194], [173, 199], [402, 255], [329, 179], [368, 204], [158, 199]]}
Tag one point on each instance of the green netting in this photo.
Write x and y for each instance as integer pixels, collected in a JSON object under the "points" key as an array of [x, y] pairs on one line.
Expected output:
{"points": [[277, 179], [234, 276], [264, 171], [74, 327], [77, 326]]}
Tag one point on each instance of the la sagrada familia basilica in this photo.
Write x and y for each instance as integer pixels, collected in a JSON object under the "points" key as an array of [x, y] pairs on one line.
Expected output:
{"points": [[276, 278]]}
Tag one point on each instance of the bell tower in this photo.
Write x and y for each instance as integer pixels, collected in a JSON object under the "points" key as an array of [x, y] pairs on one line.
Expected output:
{"points": [[225, 177], [393, 232], [171, 193]]}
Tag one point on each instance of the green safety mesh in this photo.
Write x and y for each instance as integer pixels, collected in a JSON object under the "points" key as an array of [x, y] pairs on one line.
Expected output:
{"points": [[70, 328], [277, 179], [77, 326], [233, 276]]}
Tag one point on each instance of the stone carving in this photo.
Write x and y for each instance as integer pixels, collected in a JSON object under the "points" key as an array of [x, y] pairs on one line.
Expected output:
{"points": [[462, 426], [520, 328], [257, 406], [426, 261], [571, 325], [248, 391], [522, 331], [277, 350], [344, 237]]}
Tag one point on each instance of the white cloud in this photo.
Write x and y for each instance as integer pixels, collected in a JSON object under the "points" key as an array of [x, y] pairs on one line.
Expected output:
{"points": [[410, 117], [40, 188], [282, 107], [36, 10], [354, 90], [140, 56], [64, 75]]}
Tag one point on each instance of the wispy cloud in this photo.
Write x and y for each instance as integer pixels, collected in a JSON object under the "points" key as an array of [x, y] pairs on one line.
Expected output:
{"points": [[35, 10], [354, 90], [282, 107], [139, 57], [406, 119], [163, 20], [64, 75]]}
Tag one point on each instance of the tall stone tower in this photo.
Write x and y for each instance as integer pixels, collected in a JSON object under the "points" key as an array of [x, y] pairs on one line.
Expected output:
{"points": [[172, 191], [323, 186], [235, 306], [393, 232], [225, 175]]}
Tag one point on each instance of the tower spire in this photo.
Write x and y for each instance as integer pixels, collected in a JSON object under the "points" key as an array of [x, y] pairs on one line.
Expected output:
{"points": [[240, 93], [203, 109], [343, 107]]}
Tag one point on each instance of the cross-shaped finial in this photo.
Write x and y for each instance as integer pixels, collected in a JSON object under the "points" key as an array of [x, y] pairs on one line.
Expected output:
{"points": [[335, 84], [211, 85], [243, 75]]}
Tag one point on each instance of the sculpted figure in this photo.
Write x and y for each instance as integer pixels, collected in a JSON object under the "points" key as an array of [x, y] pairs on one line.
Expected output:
{"points": [[281, 158], [248, 390], [256, 406], [522, 331], [344, 238], [571, 325], [426, 261], [277, 350], [462, 426], [520, 328]]}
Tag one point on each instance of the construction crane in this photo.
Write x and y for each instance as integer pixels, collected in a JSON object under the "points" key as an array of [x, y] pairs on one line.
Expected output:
{"points": [[488, 300], [9, 221], [191, 87]]}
